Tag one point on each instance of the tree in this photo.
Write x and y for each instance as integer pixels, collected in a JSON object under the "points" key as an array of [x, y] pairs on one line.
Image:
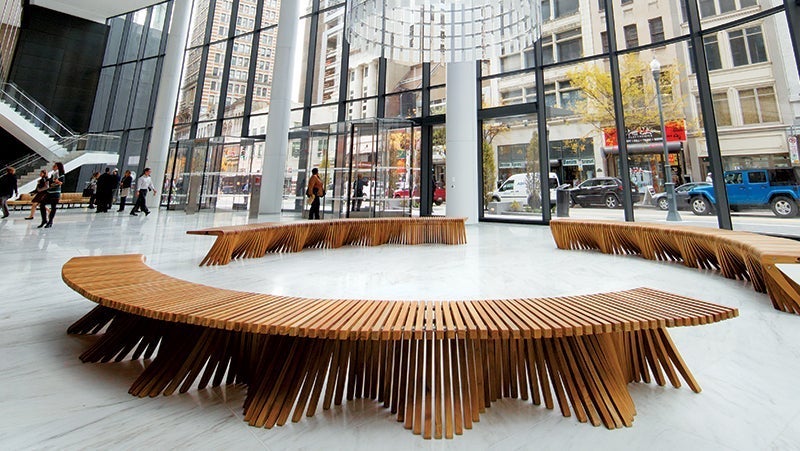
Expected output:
{"points": [[490, 131], [637, 89]]}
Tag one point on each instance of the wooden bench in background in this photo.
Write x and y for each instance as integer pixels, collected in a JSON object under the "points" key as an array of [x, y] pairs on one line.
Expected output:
{"points": [[67, 200], [435, 364], [737, 255], [256, 240]]}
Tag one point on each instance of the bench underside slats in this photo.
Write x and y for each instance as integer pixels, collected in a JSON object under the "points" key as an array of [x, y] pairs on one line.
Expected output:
{"points": [[736, 255], [437, 365]]}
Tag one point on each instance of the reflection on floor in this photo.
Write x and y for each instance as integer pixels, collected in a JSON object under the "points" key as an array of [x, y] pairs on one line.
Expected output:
{"points": [[747, 366]]}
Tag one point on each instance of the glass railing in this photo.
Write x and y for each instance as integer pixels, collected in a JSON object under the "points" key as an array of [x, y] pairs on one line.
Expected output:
{"points": [[34, 112]]}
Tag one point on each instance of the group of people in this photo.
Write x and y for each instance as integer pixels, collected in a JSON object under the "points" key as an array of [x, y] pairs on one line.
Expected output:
{"points": [[45, 196], [47, 193], [102, 188]]}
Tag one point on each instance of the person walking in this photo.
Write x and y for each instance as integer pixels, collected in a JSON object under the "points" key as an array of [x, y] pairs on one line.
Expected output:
{"points": [[39, 194], [143, 185], [115, 188], [358, 196], [314, 192], [53, 195], [124, 189], [93, 186], [8, 188]]}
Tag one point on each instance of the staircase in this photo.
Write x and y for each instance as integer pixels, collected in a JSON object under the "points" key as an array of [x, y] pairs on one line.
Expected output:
{"points": [[49, 138]]}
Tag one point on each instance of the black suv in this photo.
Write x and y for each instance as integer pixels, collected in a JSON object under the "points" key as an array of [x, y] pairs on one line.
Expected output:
{"points": [[602, 191]]}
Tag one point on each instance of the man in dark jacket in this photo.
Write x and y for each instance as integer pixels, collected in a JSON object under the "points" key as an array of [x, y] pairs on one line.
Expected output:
{"points": [[8, 188], [105, 189]]}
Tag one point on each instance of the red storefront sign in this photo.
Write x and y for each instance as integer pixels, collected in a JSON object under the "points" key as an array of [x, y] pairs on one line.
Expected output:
{"points": [[676, 132]]}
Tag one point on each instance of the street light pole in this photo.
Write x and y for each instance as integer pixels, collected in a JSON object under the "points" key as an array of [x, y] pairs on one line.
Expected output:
{"points": [[669, 187]]}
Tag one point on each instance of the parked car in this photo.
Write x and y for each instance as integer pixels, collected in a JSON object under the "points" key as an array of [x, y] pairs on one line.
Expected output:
{"points": [[439, 194], [681, 196], [515, 188], [777, 189], [603, 191]]}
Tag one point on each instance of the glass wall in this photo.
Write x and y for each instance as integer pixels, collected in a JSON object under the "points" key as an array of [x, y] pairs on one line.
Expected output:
{"points": [[570, 122], [128, 85]]}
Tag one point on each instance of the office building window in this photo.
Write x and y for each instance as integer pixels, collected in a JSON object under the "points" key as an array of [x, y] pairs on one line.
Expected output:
{"points": [[568, 45], [713, 58], [604, 40], [759, 105], [631, 36], [656, 29], [747, 46]]}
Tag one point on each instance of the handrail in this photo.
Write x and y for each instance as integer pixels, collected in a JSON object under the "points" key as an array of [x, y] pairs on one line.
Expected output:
{"points": [[71, 144], [35, 111]]}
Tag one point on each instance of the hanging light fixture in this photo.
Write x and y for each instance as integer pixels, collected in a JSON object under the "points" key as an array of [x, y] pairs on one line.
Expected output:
{"points": [[441, 31]]}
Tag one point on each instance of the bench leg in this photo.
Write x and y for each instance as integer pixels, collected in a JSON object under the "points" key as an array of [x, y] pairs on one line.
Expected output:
{"points": [[646, 354]]}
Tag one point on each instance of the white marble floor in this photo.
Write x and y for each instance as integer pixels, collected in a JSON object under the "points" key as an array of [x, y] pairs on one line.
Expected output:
{"points": [[749, 367]]}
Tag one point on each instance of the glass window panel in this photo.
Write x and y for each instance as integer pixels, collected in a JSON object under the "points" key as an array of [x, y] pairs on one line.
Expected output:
{"points": [[565, 7], [738, 48], [324, 114], [755, 45], [263, 72], [238, 76], [220, 28], [197, 32], [134, 147], [269, 15], [631, 36], [211, 93], [246, 17], [722, 109], [123, 97], [767, 104], [186, 96], [328, 64], [510, 157], [707, 8], [404, 105], [156, 30], [726, 6], [507, 90], [656, 29], [438, 101], [713, 57], [134, 41], [114, 39], [141, 106], [102, 99], [232, 127]]}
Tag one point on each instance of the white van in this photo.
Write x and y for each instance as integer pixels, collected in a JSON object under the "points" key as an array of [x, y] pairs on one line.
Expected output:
{"points": [[515, 188]]}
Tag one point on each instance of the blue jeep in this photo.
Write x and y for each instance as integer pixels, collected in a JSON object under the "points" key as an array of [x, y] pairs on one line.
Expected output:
{"points": [[753, 188]]}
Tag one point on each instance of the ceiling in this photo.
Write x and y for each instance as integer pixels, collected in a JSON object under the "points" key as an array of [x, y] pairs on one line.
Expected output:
{"points": [[95, 10]]}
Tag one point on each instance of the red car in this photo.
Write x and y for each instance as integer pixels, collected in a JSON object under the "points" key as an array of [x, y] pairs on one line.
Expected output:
{"points": [[439, 194]]}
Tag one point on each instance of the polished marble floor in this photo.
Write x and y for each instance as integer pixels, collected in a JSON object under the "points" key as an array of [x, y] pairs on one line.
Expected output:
{"points": [[749, 367]]}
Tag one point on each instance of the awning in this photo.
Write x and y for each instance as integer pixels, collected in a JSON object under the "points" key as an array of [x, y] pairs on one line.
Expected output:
{"points": [[639, 148]]}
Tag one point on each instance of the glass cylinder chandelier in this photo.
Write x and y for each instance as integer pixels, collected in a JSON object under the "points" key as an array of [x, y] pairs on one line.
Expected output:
{"points": [[441, 31]]}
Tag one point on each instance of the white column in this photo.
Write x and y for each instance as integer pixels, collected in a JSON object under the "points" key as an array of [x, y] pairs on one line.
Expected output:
{"points": [[277, 139], [158, 149], [462, 141]]}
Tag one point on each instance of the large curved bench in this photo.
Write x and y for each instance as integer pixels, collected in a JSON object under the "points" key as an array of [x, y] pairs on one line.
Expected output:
{"points": [[256, 240], [737, 255], [436, 364]]}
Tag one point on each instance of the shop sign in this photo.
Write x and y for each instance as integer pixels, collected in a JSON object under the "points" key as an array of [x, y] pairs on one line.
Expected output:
{"points": [[676, 132], [794, 155]]}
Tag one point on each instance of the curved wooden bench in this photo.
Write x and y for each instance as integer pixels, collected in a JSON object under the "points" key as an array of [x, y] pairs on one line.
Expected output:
{"points": [[256, 240], [737, 255], [436, 364]]}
